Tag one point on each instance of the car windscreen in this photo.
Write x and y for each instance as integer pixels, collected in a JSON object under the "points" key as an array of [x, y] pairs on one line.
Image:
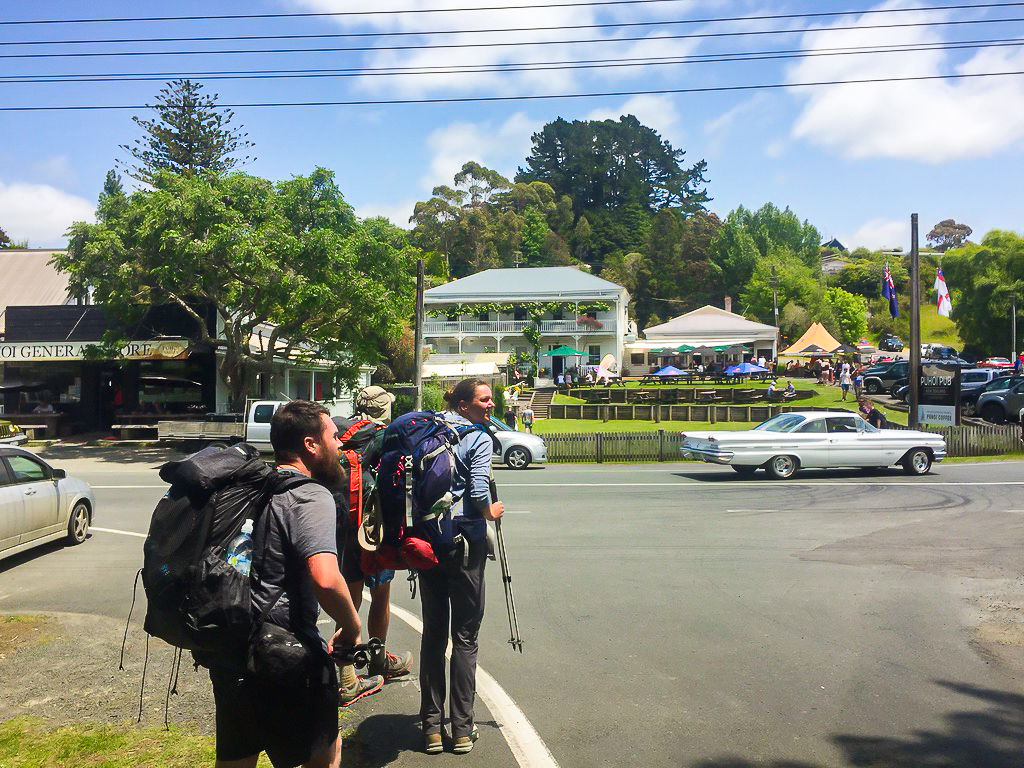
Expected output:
{"points": [[785, 422], [500, 426]]}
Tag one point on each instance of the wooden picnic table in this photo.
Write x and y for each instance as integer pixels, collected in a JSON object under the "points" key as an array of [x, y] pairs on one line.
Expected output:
{"points": [[642, 396], [707, 395]]}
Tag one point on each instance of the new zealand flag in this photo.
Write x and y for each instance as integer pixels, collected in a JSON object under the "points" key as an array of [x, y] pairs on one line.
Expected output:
{"points": [[889, 292]]}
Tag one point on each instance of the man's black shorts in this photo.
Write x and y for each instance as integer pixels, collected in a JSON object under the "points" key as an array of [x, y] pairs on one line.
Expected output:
{"points": [[291, 725]]}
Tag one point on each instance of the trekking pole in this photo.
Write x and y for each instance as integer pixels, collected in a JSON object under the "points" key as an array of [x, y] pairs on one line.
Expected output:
{"points": [[515, 640]]}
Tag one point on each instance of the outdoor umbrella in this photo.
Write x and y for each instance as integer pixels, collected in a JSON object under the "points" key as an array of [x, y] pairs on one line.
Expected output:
{"points": [[685, 349], [744, 368], [564, 351], [669, 370]]}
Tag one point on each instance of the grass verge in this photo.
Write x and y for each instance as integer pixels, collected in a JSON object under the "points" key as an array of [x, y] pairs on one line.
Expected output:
{"points": [[30, 743]]}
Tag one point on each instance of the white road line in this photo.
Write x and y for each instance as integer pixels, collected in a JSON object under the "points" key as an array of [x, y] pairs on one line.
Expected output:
{"points": [[781, 484], [115, 530], [522, 738], [126, 487], [527, 747]]}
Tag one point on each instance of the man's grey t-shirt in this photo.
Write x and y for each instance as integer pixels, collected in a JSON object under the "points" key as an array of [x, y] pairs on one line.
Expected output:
{"points": [[299, 523]]}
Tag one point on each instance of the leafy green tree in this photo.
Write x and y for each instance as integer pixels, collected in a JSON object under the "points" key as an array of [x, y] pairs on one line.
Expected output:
{"points": [[948, 234], [844, 314], [484, 220], [112, 198], [608, 164], [5, 241], [768, 230], [797, 283], [286, 265], [866, 270], [191, 135], [793, 320], [986, 281]]}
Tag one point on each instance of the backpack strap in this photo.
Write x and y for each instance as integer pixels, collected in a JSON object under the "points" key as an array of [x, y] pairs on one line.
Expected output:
{"points": [[278, 482], [355, 487]]}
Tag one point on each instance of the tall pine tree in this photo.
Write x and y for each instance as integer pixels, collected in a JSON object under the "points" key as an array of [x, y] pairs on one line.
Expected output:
{"points": [[191, 135]]}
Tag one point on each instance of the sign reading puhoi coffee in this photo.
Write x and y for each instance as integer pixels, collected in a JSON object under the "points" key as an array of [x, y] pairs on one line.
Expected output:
{"points": [[938, 394], [52, 351]]}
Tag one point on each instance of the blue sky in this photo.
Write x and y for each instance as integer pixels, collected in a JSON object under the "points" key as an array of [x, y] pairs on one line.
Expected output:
{"points": [[856, 160]]}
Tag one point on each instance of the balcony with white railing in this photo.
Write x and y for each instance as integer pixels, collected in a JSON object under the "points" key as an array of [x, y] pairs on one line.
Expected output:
{"points": [[507, 327]]}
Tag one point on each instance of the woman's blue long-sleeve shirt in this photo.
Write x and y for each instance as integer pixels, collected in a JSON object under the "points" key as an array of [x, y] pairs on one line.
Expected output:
{"points": [[472, 474]]}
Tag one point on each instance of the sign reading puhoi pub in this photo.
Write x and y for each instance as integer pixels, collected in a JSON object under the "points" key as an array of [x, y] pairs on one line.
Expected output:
{"points": [[51, 351]]}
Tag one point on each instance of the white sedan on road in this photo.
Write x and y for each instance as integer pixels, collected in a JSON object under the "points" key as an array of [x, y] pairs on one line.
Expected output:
{"points": [[802, 439], [40, 503]]}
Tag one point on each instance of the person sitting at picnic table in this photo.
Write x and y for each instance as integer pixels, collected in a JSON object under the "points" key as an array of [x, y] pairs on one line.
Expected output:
{"points": [[771, 389], [790, 390]]}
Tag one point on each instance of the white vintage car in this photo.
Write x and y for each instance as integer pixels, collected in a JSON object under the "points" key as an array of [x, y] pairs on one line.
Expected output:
{"points": [[802, 439]]}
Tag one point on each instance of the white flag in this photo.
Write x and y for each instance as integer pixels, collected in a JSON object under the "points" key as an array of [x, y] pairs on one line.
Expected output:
{"points": [[943, 301]]}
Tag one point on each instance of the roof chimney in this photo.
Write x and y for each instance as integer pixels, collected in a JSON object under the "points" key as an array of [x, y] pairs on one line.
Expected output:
{"points": [[728, 303]]}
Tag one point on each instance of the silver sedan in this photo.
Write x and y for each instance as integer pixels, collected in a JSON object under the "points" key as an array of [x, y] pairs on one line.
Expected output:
{"points": [[792, 441], [518, 449], [40, 503]]}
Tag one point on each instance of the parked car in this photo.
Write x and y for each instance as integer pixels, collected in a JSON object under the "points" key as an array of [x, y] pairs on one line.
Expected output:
{"points": [[518, 449], [1002, 404], [804, 439], [891, 343], [39, 503], [969, 398], [883, 381], [996, 362], [11, 434]]}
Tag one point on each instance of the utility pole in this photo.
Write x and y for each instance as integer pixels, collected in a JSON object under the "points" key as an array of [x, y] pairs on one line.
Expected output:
{"points": [[417, 377], [775, 295], [1013, 329], [914, 374]]}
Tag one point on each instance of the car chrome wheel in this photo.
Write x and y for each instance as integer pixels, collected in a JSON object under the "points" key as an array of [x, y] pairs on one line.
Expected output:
{"points": [[782, 467], [518, 458], [78, 523], [918, 462]]}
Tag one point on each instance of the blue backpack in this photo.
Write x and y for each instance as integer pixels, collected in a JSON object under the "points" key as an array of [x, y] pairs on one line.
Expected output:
{"points": [[424, 444]]}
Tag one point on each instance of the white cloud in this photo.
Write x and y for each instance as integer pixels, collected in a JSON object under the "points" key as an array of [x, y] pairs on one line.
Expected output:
{"points": [[718, 129], [40, 213], [933, 121], [878, 234], [499, 147], [56, 168], [397, 213]]}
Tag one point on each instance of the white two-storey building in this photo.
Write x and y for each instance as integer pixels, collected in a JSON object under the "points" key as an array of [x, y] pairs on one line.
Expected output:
{"points": [[490, 312]]}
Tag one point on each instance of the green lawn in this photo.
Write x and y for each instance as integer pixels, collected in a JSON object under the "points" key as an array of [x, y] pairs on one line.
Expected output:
{"points": [[938, 329]]}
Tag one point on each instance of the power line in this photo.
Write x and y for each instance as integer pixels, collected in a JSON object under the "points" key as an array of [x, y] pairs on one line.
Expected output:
{"points": [[532, 97], [425, 33], [520, 67], [502, 44], [322, 14]]}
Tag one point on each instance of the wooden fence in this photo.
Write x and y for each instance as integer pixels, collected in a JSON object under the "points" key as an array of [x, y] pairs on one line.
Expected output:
{"points": [[663, 445], [711, 413]]}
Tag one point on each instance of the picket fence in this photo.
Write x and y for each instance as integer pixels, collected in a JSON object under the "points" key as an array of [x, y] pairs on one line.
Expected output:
{"points": [[663, 445]]}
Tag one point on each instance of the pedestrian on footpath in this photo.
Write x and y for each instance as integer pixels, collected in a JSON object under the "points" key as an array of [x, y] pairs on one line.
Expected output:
{"points": [[298, 566], [452, 592], [528, 419], [844, 380]]}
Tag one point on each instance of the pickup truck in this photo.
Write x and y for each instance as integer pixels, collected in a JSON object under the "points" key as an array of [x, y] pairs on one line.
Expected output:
{"points": [[226, 429]]}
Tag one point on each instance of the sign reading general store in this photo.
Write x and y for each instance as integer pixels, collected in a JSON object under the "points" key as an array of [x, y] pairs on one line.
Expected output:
{"points": [[50, 351]]}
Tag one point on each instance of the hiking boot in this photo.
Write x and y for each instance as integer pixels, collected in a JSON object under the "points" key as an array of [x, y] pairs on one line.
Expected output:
{"points": [[464, 744], [432, 744], [364, 686], [390, 666]]}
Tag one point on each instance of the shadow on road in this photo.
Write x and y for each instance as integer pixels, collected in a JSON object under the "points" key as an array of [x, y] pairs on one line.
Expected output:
{"points": [[379, 740], [992, 737], [114, 454], [805, 475]]}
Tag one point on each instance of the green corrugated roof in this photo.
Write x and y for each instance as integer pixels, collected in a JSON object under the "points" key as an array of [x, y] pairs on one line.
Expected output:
{"points": [[533, 283]]}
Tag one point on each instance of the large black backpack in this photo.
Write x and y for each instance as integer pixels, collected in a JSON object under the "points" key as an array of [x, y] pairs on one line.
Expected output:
{"points": [[196, 601]]}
